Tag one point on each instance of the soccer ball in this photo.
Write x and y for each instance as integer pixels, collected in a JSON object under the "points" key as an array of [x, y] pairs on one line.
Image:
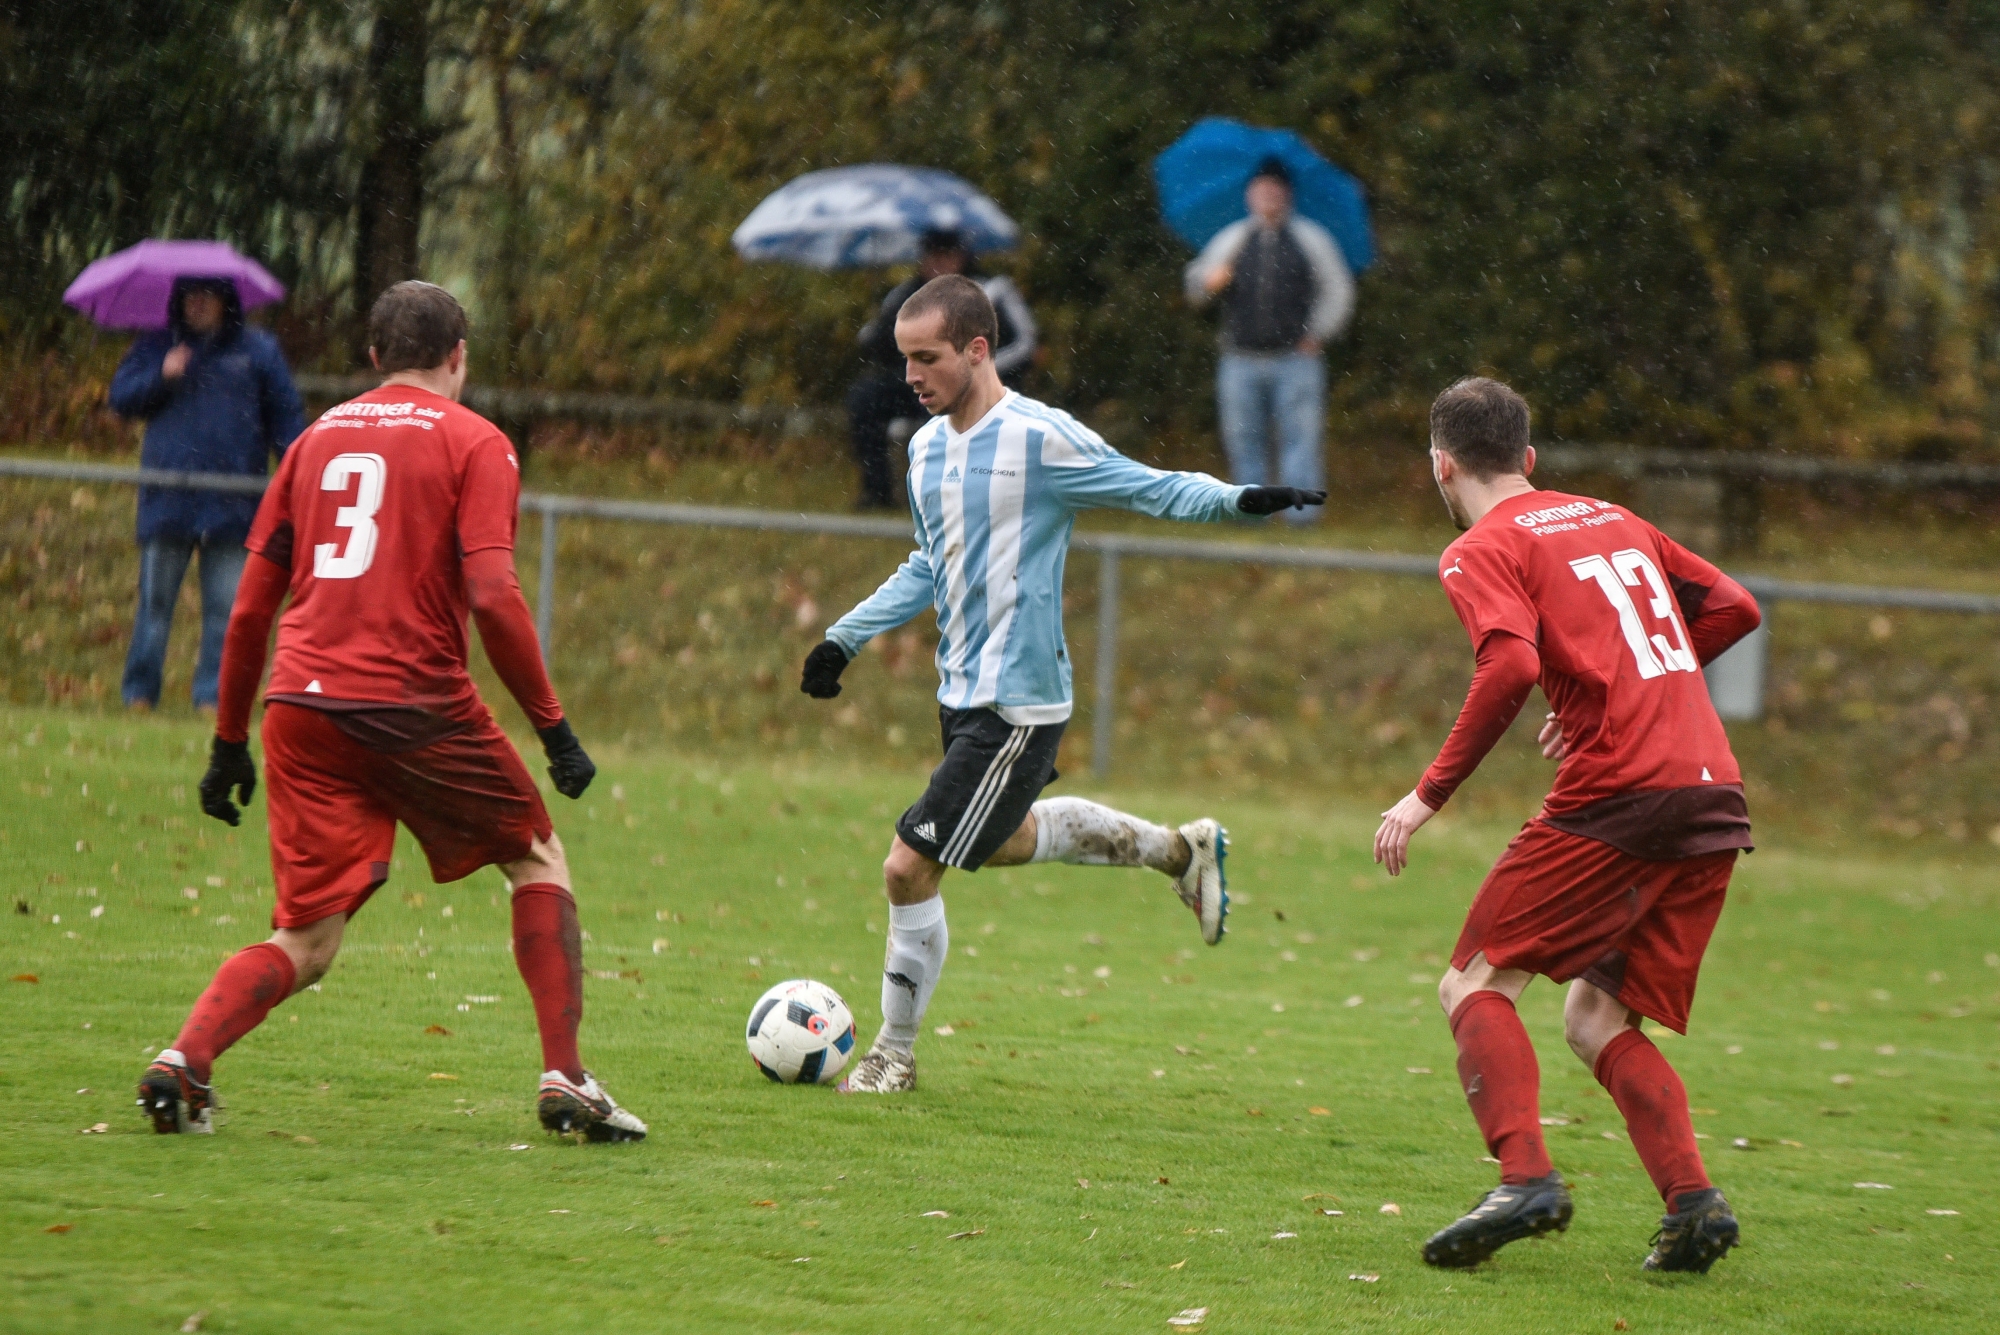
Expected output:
{"points": [[800, 1033]]}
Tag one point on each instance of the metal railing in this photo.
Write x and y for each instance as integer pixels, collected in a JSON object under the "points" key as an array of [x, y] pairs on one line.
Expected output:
{"points": [[1735, 680]]}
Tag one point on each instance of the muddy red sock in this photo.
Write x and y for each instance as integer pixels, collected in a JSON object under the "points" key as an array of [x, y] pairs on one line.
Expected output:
{"points": [[1502, 1081], [243, 992], [1655, 1106], [548, 950]]}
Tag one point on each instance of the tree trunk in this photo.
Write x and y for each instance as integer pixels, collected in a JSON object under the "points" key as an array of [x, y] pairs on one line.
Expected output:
{"points": [[391, 202]]}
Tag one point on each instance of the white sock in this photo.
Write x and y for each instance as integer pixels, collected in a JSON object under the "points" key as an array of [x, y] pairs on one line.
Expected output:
{"points": [[1069, 829], [919, 941]]}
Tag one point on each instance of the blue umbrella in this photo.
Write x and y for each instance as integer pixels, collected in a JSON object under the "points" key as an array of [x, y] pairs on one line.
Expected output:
{"points": [[1201, 177], [856, 217]]}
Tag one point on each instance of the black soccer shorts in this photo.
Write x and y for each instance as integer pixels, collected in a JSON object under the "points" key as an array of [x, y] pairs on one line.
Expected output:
{"points": [[980, 793]]}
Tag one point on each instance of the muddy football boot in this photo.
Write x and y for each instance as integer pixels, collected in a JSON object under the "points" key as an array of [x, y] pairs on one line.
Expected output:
{"points": [[1503, 1215], [1695, 1236], [177, 1103], [882, 1072], [1203, 887], [569, 1108]]}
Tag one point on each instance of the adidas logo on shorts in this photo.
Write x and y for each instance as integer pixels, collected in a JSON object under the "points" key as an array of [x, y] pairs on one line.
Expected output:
{"points": [[927, 831]]}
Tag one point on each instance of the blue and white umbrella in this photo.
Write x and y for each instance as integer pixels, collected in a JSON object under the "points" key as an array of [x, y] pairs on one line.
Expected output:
{"points": [[858, 217]]}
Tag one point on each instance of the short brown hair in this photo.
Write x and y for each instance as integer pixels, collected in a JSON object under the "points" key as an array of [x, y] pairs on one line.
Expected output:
{"points": [[1483, 425], [968, 313], [414, 326]]}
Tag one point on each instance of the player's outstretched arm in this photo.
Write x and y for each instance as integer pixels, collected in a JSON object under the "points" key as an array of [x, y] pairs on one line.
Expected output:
{"points": [[508, 632], [259, 594]]}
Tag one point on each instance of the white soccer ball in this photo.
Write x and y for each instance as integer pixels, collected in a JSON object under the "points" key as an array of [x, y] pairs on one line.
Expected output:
{"points": [[801, 1033]]}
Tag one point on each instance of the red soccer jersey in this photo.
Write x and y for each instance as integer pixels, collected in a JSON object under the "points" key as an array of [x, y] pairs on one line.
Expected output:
{"points": [[373, 510], [1607, 600]]}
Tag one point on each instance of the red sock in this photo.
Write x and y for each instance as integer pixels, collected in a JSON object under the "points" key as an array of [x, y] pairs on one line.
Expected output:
{"points": [[1655, 1106], [1502, 1081], [245, 989], [548, 950]]}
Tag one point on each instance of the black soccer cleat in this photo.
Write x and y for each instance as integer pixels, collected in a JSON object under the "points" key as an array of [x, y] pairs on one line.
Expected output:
{"points": [[1505, 1214], [567, 1108], [176, 1102], [1695, 1236]]}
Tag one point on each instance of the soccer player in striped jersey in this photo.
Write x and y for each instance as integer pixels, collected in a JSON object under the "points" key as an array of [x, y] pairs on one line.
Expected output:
{"points": [[995, 484]]}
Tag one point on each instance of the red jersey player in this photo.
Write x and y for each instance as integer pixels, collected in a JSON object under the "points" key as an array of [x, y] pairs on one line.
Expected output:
{"points": [[389, 520], [1617, 882]]}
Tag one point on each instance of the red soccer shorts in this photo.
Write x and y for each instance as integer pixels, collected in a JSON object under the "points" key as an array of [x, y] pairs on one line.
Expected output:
{"points": [[1565, 906], [334, 804]]}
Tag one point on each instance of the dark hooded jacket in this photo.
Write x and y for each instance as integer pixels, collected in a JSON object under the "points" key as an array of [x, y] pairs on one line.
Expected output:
{"points": [[232, 409]]}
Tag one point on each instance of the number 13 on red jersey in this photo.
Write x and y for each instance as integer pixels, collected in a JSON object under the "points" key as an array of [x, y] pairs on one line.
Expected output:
{"points": [[1655, 653], [358, 519]]}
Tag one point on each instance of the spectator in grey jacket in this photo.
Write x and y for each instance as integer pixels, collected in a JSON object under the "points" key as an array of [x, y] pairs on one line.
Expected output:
{"points": [[879, 396], [1284, 291]]}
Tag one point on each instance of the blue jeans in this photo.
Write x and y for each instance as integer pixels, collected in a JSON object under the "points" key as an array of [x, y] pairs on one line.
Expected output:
{"points": [[163, 563], [1254, 390]]}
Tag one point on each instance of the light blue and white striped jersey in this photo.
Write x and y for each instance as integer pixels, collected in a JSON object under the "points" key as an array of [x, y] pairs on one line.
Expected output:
{"points": [[994, 509]]}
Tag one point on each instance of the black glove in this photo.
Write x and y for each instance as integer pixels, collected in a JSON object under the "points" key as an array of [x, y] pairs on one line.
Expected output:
{"points": [[568, 765], [821, 678], [229, 766], [1270, 500]]}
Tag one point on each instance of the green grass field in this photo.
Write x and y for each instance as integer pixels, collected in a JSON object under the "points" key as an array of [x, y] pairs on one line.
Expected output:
{"points": [[1127, 1123]]}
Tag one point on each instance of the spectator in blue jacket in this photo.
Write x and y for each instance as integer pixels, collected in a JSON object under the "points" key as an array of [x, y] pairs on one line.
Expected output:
{"points": [[216, 397]]}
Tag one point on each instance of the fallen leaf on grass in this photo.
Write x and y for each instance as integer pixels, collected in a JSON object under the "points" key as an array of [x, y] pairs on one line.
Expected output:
{"points": [[969, 1233], [1941, 1212], [764, 1205], [1365, 1279], [517, 1147], [1189, 1316], [1178, 1264], [559, 1212], [1162, 1181], [934, 1214], [1418, 1070], [1355, 1001], [1333, 1213], [1619, 1324], [26, 978], [1254, 1112], [1281, 1233], [1609, 1135], [1873, 1186], [437, 1029], [440, 1075], [193, 1323], [944, 1031], [1843, 1080], [1084, 1183], [1320, 1112], [1390, 1207], [1742, 1143], [97, 1130], [59, 1228], [1795, 1144], [800, 1260], [1555, 1121]]}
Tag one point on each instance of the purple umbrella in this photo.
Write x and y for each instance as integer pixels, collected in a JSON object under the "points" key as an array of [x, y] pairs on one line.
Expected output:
{"points": [[129, 290]]}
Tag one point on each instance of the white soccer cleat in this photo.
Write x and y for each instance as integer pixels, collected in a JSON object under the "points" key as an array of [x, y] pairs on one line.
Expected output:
{"points": [[882, 1072], [1203, 887], [566, 1108]]}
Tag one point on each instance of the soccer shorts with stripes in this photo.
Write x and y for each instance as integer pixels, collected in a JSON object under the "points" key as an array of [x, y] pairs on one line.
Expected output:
{"points": [[980, 793]]}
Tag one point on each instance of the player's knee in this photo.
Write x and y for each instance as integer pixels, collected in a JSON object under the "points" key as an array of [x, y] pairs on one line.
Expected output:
{"points": [[545, 864], [1588, 1028], [1452, 989]]}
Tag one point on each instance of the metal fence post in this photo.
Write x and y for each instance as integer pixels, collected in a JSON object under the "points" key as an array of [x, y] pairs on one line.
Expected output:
{"points": [[1736, 676], [1104, 696], [545, 599]]}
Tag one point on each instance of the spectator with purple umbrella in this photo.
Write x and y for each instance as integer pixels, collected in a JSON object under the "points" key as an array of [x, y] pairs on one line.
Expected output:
{"points": [[216, 397]]}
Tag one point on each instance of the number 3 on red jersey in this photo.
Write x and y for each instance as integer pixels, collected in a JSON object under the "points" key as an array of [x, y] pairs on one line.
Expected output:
{"points": [[358, 519], [1655, 653]]}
